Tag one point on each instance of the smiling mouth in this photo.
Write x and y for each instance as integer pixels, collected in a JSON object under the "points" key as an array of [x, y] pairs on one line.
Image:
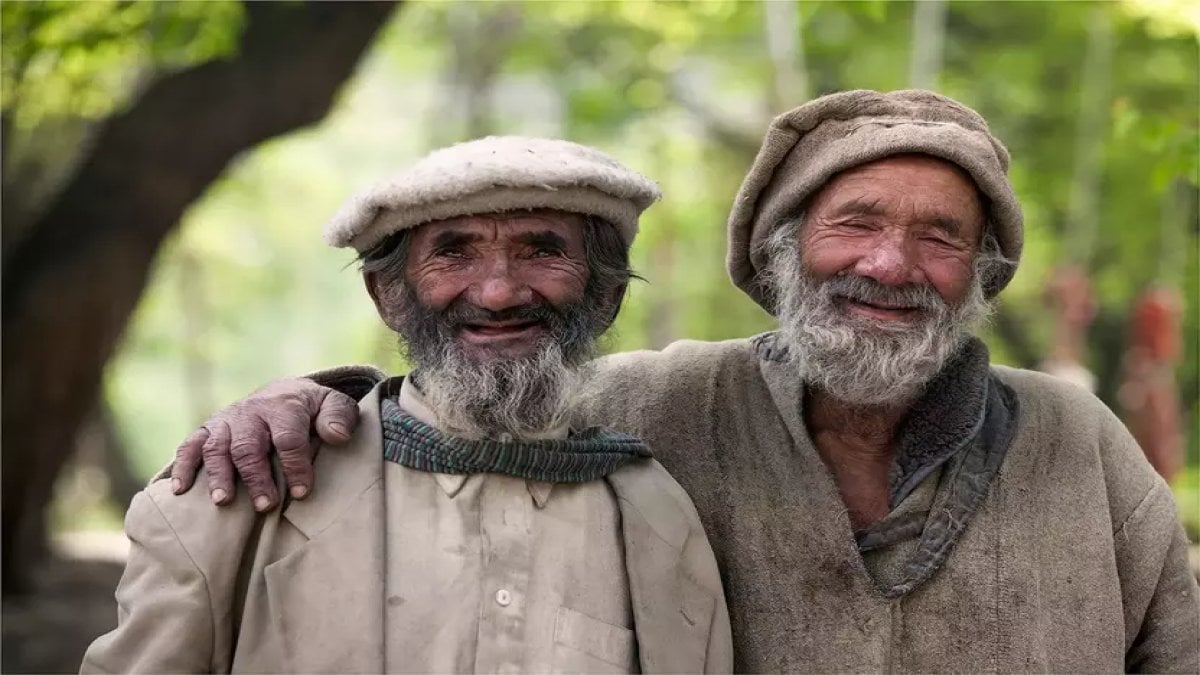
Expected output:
{"points": [[881, 311], [486, 333]]}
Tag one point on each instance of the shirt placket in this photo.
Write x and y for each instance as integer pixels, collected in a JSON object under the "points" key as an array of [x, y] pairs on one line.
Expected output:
{"points": [[506, 527]]}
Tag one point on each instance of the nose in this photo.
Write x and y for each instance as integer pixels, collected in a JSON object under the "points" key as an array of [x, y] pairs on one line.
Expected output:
{"points": [[500, 289], [888, 261]]}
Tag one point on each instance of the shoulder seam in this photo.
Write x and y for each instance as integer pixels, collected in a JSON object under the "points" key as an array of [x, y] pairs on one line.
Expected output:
{"points": [[1142, 504], [199, 570]]}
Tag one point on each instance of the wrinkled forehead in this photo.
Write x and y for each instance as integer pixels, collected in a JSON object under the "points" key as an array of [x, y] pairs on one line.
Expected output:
{"points": [[506, 226], [921, 182]]}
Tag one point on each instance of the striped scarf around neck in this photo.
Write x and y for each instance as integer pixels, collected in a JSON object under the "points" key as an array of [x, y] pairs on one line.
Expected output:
{"points": [[584, 456]]}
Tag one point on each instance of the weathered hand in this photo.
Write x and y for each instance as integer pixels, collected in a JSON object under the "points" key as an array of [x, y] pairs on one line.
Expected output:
{"points": [[283, 414]]}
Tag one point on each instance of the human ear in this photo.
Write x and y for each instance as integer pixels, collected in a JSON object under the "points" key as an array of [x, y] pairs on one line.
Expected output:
{"points": [[382, 297], [616, 297]]}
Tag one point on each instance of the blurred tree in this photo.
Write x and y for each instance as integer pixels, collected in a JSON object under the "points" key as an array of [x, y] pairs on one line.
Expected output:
{"points": [[928, 40], [75, 267]]}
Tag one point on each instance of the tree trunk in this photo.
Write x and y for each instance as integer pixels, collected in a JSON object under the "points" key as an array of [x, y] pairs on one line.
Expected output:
{"points": [[928, 38], [71, 285], [1095, 99], [785, 45], [482, 38]]}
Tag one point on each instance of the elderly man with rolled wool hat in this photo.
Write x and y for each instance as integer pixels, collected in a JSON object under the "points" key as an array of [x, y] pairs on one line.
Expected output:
{"points": [[879, 496], [468, 526]]}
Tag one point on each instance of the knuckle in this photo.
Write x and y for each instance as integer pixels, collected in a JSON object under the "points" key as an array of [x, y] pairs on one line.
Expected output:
{"points": [[246, 418], [258, 483], [296, 396], [183, 465], [246, 450], [187, 453], [219, 473], [296, 463], [342, 402], [290, 440], [291, 405], [212, 450]]}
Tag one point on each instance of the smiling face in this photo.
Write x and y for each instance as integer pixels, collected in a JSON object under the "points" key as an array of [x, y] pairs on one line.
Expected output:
{"points": [[498, 277], [881, 280], [903, 222], [498, 313]]}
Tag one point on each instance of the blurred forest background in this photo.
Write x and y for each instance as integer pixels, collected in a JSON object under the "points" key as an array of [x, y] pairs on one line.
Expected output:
{"points": [[168, 166]]}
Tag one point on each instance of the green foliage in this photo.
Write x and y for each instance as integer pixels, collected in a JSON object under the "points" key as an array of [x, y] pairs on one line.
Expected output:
{"points": [[84, 59]]}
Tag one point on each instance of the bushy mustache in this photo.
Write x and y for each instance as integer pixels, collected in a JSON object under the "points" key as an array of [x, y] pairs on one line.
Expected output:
{"points": [[572, 327], [867, 290], [462, 313]]}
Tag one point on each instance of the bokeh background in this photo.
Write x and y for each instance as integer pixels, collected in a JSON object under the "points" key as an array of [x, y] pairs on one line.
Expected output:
{"points": [[167, 168]]}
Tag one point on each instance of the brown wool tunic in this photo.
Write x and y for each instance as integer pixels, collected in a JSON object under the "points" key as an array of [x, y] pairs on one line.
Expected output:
{"points": [[1074, 562]]}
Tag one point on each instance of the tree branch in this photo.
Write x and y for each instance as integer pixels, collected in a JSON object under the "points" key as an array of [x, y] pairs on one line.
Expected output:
{"points": [[719, 129], [70, 286]]}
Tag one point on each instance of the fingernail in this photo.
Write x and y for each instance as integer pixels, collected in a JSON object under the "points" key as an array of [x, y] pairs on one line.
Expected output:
{"points": [[339, 428], [261, 503], [298, 491], [176, 485], [218, 496]]}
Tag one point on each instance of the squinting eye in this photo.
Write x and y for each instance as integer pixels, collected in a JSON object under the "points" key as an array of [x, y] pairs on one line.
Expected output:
{"points": [[450, 253], [857, 225], [547, 253]]}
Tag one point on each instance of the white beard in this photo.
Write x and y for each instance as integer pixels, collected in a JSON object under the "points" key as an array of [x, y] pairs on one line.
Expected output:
{"points": [[855, 359]]}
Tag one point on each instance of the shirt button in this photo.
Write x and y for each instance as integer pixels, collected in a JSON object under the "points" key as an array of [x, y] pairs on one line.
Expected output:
{"points": [[503, 597]]}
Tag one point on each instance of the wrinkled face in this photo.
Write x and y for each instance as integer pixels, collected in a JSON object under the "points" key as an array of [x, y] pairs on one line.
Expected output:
{"points": [[909, 220], [506, 269], [882, 279], [499, 313]]}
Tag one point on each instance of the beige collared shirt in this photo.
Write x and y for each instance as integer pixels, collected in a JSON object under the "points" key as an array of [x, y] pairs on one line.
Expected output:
{"points": [[491, 573]]}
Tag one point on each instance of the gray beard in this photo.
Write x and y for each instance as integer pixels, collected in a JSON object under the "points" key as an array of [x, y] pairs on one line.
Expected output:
{"points": [[858, 360], [522, 397]]}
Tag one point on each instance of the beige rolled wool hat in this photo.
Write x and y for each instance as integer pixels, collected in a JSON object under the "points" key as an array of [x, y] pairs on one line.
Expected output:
{"points": [[806, 147], [494, 175]]}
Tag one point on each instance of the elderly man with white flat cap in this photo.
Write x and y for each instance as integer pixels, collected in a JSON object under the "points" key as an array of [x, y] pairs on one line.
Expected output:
{"points": [[879, 496], [467, 526]]}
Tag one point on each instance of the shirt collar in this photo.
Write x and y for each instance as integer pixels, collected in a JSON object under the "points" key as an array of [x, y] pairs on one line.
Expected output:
{"points": [[412, 401]]}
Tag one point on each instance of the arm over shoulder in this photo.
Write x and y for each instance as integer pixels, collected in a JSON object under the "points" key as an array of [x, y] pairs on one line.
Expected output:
{"points": [[640, 392]]}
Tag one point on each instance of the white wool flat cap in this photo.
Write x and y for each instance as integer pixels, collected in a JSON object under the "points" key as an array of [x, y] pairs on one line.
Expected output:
{"points": [[494, 175], [806, 147]]}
